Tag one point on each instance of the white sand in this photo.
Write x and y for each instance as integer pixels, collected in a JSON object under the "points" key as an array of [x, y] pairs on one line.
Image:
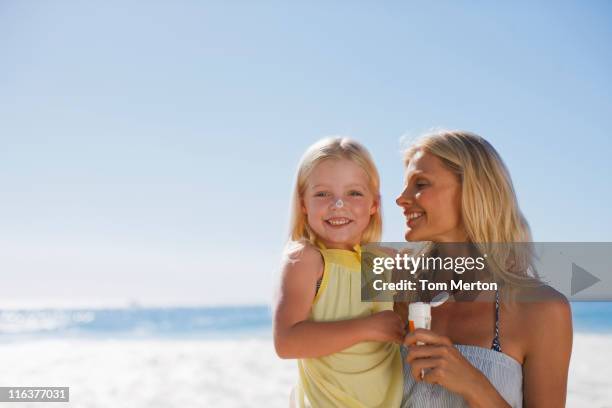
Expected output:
{"points": [[211, 373], [590, 376]]}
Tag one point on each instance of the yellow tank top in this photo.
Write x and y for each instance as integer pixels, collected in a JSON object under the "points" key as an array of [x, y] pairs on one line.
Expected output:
{"points": [[367, 374]]}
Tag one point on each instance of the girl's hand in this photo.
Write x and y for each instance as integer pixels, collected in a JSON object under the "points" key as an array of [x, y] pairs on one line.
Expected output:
{"points": [[385, 326], [443, 364]]}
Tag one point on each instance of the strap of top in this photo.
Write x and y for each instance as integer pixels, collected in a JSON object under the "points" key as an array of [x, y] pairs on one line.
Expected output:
{"points": [[496, 344], [356, 248]]}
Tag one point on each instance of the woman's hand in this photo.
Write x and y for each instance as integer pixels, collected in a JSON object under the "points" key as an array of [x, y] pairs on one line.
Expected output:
{"points": [[443, 364], [385, 326]]}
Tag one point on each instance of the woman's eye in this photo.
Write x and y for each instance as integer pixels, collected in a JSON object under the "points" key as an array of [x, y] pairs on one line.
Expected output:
{"points": [[421, 184]]}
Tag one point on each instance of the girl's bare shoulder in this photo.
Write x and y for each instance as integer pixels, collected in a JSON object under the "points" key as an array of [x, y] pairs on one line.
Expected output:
{"points": [[304, 258]]}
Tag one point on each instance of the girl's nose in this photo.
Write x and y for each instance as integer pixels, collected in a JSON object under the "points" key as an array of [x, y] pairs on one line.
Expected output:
{"points": [[338, 203]]}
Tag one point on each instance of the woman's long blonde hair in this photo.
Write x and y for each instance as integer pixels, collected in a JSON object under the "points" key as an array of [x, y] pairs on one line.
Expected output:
{"points": [[333, 149], [489, 207]]}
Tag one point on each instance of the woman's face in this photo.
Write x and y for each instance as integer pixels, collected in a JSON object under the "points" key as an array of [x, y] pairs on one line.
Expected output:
{"points": [[431, 201]]}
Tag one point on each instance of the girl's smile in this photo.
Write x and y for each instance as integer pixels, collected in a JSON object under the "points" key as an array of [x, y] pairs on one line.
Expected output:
{"points": [[338, 203], [338, 221]]}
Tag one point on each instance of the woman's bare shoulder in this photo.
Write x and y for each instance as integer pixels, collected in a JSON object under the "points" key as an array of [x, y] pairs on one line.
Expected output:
{"points": [[544, 309], [541, 294]]}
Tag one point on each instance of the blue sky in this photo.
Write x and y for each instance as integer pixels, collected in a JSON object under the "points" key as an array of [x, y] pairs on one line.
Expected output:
{"points": [[148, 149]]}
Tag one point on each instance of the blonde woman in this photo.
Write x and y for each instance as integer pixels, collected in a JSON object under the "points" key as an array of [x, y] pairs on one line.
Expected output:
{"points": [[510, 347]]}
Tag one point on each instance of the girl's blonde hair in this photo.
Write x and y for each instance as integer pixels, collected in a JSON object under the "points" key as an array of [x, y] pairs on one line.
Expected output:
{"points": [[335, 148], [489, 207]]}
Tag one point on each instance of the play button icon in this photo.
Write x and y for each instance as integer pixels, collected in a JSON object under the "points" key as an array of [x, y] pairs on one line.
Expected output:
{"points": [[581, 279]]}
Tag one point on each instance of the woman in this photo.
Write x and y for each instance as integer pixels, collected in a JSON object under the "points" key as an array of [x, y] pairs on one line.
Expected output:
{"points": [[513, 347]]}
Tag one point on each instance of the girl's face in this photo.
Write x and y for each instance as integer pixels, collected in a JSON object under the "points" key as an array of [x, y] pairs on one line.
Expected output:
{"points": [[431, 201], [336, 226]]}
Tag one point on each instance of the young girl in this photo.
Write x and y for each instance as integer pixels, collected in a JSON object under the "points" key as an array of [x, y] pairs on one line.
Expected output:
{"points": [[348, 350]]}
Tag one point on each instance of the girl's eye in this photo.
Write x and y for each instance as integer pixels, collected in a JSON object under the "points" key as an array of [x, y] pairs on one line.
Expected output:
{"points": [[356, 193], [421, 184], [321, 194]]}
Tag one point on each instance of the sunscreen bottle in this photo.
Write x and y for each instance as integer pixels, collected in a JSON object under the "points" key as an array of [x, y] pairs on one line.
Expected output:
{"points": [[419, 315]]}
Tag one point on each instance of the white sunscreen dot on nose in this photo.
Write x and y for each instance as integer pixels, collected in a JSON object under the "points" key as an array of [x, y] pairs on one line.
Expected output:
{"points": [[339, 203]]}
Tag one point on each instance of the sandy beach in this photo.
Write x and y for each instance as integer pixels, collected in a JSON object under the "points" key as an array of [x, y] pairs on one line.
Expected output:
{"points": [[219, 373]]}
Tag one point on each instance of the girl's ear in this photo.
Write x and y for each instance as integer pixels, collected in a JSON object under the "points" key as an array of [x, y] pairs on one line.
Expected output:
{"points": [[303, 206], [375, 205]]}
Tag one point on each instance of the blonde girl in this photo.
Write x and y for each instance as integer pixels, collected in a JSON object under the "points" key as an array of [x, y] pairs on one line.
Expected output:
{"points": [[347, 350]]}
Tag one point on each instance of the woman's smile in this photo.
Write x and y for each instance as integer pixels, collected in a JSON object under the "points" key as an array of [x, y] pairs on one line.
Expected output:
{"points": [[413, 218], [431, 201]]}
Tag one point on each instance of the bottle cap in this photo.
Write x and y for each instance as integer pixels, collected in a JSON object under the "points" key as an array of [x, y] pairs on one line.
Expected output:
{"points": [[439, 299]]}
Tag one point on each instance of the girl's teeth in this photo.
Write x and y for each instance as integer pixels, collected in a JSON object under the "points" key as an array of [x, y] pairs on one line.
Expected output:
{"points": [[338, 222]]}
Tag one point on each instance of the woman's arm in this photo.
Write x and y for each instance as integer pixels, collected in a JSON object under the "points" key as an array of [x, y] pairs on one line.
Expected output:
{"points": [[446, 366], [297, 337], [547, 327], [549, 347]]}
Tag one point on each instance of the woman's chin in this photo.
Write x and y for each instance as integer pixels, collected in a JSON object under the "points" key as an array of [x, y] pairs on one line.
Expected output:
{"points": [[416, 235], [411, 235]]}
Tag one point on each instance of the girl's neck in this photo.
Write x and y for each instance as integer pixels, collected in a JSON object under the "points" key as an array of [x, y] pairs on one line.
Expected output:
{"points": [[338, 245]]}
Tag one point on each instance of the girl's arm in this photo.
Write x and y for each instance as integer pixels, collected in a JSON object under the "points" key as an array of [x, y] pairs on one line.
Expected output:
{"points": [[297, 337]]}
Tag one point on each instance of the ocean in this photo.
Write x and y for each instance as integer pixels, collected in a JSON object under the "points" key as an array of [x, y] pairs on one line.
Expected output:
{"points": [[208, 356], [195, 322], [137, 323]]}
